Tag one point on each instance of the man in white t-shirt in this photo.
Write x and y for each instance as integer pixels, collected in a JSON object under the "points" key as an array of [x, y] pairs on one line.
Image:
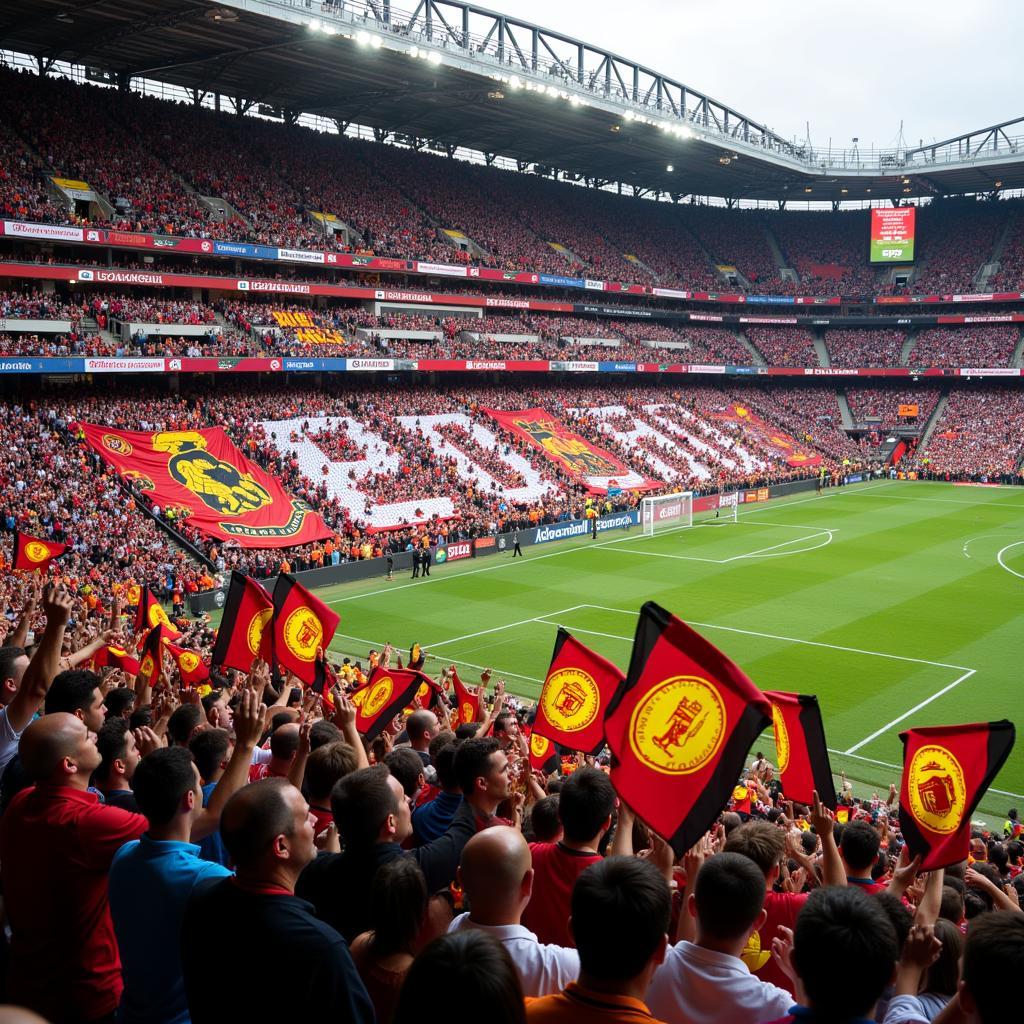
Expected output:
{"points": [[707, 981], [496, 874]]}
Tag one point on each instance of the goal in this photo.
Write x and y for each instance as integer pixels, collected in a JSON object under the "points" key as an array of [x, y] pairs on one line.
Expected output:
{"points": [[666, 510], [728, 505]]}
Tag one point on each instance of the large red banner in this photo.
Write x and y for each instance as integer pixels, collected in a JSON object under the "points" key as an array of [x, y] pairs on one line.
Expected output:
{"points": [[218, 490], [594, 466], [794, 454]]}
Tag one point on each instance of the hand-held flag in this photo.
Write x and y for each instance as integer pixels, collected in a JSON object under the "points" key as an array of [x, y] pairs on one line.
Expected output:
{"points": [[578, 688], [115, 657], [303, 625], [151, 613], [468, 704], [244, 632], [946, 771], [386, 694], [680, 728], [191, 667], [800, 748], [31, 553]]}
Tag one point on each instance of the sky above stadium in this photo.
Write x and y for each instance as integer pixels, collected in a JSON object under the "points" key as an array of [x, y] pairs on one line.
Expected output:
{"points": [[942, 66]]}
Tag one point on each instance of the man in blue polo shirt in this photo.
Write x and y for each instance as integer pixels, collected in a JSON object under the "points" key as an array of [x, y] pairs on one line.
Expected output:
{"points": [[150, 882], [152, 879]]}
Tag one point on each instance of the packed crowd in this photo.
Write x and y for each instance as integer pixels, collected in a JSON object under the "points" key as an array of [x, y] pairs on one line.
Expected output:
{"points": [[389, 201], [52, 489], [784, 347], [979, 436], [860, 347], [881, 406], [965, 347], [143, 818]]}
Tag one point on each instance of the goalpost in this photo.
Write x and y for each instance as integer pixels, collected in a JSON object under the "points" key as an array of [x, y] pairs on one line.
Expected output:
{"points": [[666, 510], [676, 511]]}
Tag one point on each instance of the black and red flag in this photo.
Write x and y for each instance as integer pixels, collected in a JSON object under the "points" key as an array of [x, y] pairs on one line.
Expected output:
{"points": [[387, 693], [468, 704], [680, 728], [302, 625], [151, 658], [579, 686], [151, 613], [191, 667], [115, 657], [32, 553], [429, 694], [801, 750], [543, 755], [243, 634], [946, 771]]}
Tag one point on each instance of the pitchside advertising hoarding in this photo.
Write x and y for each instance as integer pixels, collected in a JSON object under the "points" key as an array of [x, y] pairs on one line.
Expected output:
{"points": [[892, 234]]}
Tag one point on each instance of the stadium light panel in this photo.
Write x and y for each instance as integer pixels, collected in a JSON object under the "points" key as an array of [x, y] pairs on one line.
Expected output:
{"points": [[629, 116], [434, 58], [314, 25], [669, 168], [515, 82]]}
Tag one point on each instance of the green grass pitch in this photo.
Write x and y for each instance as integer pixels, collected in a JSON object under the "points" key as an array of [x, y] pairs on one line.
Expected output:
{"points": [[898, 604]]}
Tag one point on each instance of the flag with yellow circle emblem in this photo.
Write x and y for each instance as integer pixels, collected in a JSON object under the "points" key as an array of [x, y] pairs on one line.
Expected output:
{"points": [[680, 728], [946, 771], [577, 690], [800, 748], [33, 553], [302, 626]]}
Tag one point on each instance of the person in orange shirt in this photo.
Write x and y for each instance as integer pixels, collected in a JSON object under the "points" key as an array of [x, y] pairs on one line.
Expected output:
{"points": [[630, 899]]}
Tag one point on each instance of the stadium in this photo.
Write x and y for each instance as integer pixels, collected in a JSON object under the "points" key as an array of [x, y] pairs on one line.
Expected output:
{"points": [[373, 384]]}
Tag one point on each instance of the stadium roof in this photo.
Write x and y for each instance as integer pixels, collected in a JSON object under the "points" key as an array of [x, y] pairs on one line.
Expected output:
{"points": [[463, 76]]}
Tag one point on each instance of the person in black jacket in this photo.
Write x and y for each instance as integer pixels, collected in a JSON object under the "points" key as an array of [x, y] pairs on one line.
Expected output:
{"points": [[268, 830], [373, 817]]}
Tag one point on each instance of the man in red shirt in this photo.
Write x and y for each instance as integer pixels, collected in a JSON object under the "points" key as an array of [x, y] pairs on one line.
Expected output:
{"points": [[56, 844], [765, 845], [585, 806]]}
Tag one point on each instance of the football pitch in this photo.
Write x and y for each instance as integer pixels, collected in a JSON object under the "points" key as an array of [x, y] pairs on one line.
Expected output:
{"points": [[897, 604]]}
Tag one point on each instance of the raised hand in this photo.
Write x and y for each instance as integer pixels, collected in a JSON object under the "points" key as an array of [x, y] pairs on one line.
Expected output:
{"points": [[250, 719]]}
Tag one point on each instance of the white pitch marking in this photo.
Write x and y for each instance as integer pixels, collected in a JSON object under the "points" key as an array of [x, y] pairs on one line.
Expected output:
{"points": [[906, 714], [505, 563], [796, 640], [458, 661], [762, 552], [999, 558]]}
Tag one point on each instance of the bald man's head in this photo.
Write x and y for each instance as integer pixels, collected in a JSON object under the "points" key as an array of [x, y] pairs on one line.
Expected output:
{"points": [[57, 747], [19, 1015], [497, 875]]}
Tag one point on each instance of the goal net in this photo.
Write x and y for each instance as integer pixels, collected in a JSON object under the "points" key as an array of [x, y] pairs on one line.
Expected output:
{"points": [[666, 510]]}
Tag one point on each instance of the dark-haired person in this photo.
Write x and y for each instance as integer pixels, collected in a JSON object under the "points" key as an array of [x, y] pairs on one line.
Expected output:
{"points": [[766, 846], [56, 844], [706, 981], [430, 820], [481, 767], [119, 757], [475, 970], [327, 765], [586, 804], [373, 818], [859, 846], [993, 953], [119, 703], [268, 831], [620, 917], [384, 954], [211, 750], [841, 928], [150, 883], [497, 878]]}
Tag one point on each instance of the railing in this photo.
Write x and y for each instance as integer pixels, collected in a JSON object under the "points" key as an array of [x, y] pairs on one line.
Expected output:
{"points": [[526, 56]]}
